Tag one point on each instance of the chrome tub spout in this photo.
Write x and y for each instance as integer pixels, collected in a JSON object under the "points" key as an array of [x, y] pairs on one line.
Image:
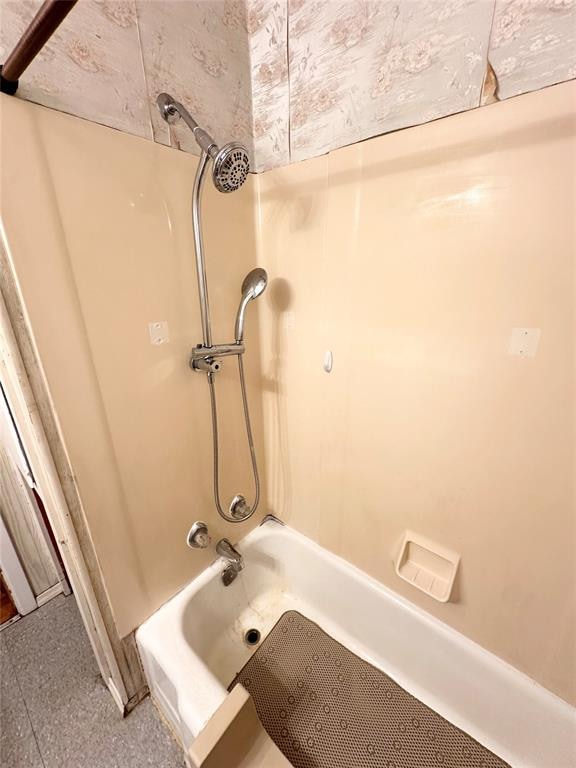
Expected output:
{"points": [[234, 559]]}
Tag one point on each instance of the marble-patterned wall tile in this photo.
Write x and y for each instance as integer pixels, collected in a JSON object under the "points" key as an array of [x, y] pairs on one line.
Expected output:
{"points": [[267, 29], [533, 44], [291, 79], [90, 68], [198, 52], [362, 67]]}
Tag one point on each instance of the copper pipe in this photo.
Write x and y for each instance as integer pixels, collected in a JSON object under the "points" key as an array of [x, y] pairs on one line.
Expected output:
{"points": [[48, 18]]}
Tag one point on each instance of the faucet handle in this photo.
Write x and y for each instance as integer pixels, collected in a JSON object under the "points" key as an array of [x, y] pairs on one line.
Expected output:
{"points": [[198, 536]]}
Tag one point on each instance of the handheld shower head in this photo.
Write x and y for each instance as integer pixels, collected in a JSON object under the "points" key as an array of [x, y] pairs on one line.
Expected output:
{"points": [[253, 285], [230, 163]]}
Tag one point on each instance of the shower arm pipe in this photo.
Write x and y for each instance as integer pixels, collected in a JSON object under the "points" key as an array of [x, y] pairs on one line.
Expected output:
{"points": [[46, 21], [174, 109]]}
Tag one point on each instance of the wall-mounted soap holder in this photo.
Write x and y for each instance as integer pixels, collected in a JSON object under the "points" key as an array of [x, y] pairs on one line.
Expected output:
{"points": [[427, 566]]}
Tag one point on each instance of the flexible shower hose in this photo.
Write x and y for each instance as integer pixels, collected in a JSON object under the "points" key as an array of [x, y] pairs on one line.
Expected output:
{"points": [[221, 512]]}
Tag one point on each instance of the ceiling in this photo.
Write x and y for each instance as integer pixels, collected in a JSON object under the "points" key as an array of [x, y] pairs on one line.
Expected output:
{"points": [[291, 78]]}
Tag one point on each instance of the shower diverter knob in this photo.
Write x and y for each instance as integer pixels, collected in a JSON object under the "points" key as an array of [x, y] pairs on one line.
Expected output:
{"points": [[198, 536]]}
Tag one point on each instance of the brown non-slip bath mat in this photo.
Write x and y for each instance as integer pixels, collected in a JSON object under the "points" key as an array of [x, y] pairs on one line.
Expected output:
{"points": [[327, 708]]}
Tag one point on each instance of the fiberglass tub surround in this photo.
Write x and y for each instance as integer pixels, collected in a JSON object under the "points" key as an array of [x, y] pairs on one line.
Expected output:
{"points": [[195, 644]]}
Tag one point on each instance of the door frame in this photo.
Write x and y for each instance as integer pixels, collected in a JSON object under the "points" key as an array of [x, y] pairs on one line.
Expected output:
{"points": [[11, 445], [14, 575], [25, 412]]}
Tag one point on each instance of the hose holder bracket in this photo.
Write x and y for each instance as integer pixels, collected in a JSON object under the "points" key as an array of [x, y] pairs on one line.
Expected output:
{"points": [[206, 359]]}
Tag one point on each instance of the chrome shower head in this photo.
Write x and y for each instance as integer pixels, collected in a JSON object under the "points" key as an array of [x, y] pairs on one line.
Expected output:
{"points": [[253, 285], [231, 166], [230, 163]]}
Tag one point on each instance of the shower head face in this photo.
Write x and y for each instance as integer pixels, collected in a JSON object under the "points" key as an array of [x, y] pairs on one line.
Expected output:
{"points": [[254, 283], [231, 166]]}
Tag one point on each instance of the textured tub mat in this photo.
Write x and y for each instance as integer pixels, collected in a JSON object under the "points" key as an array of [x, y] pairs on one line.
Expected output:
{"points": [[326, 708]]}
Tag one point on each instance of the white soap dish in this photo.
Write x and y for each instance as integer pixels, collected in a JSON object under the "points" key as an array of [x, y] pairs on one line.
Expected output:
{"points": [[427, 566]]}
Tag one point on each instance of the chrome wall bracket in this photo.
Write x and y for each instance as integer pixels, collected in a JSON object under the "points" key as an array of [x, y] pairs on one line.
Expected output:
{"points": [[205, 359]]}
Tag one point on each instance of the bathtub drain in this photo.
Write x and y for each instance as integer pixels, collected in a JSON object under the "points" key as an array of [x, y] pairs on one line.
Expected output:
{"points": [[252, 637]]}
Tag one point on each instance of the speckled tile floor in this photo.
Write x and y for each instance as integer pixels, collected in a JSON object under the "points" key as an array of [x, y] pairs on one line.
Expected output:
{"points": [[55, 711]]}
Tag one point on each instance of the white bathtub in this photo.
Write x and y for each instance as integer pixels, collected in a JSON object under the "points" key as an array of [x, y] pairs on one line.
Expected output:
{"points": [[193, 646]]}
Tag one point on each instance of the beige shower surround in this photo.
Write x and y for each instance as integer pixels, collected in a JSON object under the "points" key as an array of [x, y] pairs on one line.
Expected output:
{"points": [[411, 257], [98, 225], [291, 78]]}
